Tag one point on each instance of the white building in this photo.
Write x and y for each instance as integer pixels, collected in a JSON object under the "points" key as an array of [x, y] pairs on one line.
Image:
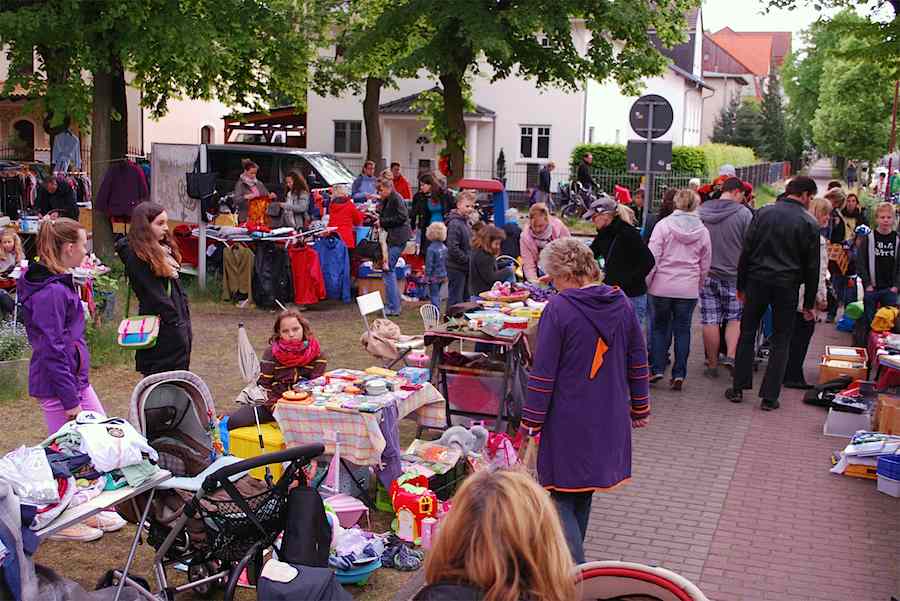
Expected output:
{"points": [[530, 125]]}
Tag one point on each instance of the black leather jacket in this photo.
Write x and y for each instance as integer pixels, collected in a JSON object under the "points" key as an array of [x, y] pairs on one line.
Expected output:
{"points": [[781, 248]]}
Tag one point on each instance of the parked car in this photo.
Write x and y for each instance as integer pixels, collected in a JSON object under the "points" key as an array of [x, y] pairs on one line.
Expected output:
{"points": [[320, 169]]}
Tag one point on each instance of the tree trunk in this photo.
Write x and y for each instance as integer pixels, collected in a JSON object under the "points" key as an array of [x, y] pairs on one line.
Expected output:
{"points": [[454, 108], [109, 141], [373, 126]]}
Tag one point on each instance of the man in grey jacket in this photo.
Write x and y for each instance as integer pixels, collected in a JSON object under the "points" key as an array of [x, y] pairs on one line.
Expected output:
{"points": [[727, 220]]}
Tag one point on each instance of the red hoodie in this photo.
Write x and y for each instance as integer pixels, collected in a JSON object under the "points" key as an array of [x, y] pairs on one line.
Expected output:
{"points": [[344, 215]]}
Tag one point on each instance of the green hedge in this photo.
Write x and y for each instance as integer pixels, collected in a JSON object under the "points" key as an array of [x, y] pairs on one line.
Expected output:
{"points": [[694, 161], [717, 155]]}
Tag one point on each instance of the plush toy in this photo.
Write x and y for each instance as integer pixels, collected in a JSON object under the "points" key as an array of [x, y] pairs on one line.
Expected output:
{"points": [[469, 440]]}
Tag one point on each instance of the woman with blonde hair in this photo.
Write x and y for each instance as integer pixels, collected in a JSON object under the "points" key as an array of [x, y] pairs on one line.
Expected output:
{"points": [[542, 229], [502, 541], [682, 250], [588, 387], [152, 261]]}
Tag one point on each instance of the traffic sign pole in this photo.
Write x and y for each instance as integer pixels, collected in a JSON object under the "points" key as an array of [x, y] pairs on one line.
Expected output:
{"points": [[648, 177]]}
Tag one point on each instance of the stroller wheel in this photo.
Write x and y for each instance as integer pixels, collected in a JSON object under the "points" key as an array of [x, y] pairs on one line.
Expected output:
{"points": [[199, 572]]}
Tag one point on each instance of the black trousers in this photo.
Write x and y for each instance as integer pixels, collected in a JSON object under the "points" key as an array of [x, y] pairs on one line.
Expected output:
{"points": [[758, 296], [803, 332], [244, 417]]}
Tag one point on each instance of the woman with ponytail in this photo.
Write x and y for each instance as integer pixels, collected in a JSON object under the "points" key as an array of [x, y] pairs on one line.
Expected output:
{"points": [[152, 262]]}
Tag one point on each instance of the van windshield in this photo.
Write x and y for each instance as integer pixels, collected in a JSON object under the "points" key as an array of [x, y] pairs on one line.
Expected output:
{"points": [[330, 168]]}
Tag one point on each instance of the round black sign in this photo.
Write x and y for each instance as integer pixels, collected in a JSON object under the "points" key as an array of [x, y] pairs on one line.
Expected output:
{"points": [[640, 116]]}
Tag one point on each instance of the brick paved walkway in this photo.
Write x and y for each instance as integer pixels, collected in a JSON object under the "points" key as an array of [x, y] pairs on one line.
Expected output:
{"points": [[741, 502]]}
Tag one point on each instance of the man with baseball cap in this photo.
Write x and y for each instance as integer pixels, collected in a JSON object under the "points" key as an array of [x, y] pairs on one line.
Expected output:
{"points": [[622, 255]]}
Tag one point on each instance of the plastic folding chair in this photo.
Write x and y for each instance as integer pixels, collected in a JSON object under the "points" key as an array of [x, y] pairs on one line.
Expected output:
{"points": [[373, 303], [431, 316]]}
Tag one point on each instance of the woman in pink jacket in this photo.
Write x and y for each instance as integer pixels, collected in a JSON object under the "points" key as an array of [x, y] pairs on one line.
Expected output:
{"points": [[682, 249], [541, 230]]}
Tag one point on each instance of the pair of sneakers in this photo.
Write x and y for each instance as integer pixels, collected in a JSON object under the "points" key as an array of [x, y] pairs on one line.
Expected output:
{"points": [[400, 556], [91, 529]]}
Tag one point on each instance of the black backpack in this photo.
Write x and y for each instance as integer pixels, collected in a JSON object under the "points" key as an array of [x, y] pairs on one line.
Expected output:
{"points": [[821, 395], [307, 534]]}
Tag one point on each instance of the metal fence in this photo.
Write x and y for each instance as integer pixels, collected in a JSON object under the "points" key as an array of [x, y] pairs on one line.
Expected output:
{"points": [[520, 181]]}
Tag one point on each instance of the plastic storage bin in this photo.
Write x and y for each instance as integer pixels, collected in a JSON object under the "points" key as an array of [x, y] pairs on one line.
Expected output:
{"points": [[888, 486], [244, 443], [889, 466]]}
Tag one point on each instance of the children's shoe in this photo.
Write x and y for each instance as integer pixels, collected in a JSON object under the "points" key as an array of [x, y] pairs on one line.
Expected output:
{"points": [[80, 533], [677, 383], [655, 378], [107, 521], [767, 405]]}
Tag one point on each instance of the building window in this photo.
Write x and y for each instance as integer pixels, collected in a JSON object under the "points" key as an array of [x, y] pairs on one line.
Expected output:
{"points": [[591, 135], [348, 137], [544, 41], [206, 135], [534, 141]]}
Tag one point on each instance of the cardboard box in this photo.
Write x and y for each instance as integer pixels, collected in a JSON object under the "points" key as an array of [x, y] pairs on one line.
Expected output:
{"points": [[857, 356], [887, 414]]}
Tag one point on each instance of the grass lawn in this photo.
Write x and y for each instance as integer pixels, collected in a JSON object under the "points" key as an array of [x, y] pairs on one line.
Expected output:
{"points": [[214, 359]]}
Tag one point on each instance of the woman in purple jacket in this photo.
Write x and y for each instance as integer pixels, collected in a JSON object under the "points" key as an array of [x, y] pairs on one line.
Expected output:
{"points": [[588, 387]]}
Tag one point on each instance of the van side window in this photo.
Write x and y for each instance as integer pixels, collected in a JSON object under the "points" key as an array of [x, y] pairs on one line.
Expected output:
{"points": [[303, 167]]}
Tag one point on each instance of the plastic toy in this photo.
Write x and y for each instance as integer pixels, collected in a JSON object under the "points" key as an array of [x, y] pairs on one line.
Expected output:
{"points": [[470, 441], [413, 501]]}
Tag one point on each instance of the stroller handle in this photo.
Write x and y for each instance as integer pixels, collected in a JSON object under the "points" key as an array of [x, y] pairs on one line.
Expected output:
{"points": [[307, 452]]}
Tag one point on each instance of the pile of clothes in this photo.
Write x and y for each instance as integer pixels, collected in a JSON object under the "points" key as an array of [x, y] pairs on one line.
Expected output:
{"points": [[85, 457]]}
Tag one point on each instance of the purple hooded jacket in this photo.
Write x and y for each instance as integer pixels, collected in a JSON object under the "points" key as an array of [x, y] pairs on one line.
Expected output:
{"points": [[589, 381], [54, 322]]}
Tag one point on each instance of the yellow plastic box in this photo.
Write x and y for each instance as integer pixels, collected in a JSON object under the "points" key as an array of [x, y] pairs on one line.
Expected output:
{"points": [[244, 443]]}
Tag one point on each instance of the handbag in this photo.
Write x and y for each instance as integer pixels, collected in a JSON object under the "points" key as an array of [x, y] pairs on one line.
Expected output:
{"points": [[140, 331], [370, 247]]}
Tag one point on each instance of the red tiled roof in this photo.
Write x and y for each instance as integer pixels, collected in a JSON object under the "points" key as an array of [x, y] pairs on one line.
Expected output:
{"points": [[755, 49], [717, 59]]}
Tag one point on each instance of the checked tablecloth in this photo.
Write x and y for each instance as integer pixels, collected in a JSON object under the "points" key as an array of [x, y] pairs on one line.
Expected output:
{"points": [[359, 433]]}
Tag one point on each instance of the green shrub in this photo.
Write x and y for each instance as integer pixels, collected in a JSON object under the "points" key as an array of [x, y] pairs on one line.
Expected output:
{"points": [[717, 155], [686, 160], [13, 342]]}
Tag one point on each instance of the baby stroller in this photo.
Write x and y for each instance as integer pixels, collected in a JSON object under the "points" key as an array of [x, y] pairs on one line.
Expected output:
{"points": [[211, 516]]}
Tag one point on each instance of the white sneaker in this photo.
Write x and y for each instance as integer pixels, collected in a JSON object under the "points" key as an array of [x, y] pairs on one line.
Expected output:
{"points": [[81, 533], [107, 521]]}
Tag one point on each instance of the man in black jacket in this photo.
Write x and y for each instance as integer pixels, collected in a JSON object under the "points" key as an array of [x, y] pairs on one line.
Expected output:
{"points": [[781, 251], [459, 248], [394, 219], [584, 176], [57, 196]]}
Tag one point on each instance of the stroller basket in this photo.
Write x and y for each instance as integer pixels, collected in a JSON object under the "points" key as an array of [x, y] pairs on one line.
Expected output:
{"points": [[231, 532]]}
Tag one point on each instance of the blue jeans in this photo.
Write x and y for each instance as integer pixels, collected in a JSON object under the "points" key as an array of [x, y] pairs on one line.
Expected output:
{"points": [[875, 299], [574, 510], [671, 319], [392, 305], [457, 284], [434, 293], [640, 309], [767, 326]]}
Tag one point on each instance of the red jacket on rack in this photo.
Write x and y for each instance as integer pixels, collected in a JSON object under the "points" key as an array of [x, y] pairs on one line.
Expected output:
{"points": [[309, 283]]}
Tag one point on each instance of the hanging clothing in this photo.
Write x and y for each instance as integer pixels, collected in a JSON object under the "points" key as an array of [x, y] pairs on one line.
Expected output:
{"points": [[123, 188], [66, 150], [272, 276], [335, 263], [237, 271], [309, 283]]}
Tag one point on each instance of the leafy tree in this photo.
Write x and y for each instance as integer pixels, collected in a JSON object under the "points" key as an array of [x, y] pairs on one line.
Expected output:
{"points": [[802, 71], [748, 121], [878, 31], [723, 129], [772, 143], [454, 40], [241, 51], [853, 117]]}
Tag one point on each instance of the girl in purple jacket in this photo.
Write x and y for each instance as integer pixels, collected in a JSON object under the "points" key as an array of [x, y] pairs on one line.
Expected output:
{"points": [[54, 321]]}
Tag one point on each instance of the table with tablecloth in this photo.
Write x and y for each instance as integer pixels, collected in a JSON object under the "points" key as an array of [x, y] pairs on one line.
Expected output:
{"points": [[360, 434]]}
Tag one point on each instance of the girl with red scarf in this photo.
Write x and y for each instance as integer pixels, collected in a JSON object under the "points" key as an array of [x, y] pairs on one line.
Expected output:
{"points": [[293, 355]]}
